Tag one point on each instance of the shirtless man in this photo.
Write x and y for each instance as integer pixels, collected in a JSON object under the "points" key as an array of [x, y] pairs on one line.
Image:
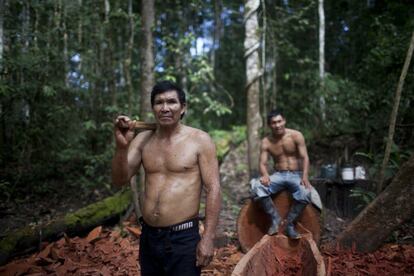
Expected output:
{"points": [[178, 161], [291, 163]]}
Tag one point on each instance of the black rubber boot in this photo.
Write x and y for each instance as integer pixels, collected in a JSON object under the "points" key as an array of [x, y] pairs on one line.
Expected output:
{"points": [[270, 209], [294, 212]]}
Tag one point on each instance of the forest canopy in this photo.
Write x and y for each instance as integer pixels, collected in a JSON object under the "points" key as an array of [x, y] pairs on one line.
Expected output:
{"points": [[68, 67]]}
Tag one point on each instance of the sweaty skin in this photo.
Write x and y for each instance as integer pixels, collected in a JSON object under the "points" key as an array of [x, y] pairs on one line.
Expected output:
{"points": [[173, 175], [178, 161], [287, 148]]}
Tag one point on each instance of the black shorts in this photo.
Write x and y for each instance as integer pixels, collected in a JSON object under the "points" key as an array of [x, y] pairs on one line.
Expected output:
{"points": [[169, 250]]}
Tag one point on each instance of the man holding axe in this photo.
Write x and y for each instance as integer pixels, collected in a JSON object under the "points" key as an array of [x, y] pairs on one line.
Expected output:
{"points": [[178, 161]]}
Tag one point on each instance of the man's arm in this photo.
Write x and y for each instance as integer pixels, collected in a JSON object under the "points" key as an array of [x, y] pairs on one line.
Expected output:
{"points": [[127, 157], [303, 154], [210, 178], [264, 157]]}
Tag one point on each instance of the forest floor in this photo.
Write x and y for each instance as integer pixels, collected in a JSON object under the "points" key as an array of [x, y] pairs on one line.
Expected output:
{"points": [[113, 250]]}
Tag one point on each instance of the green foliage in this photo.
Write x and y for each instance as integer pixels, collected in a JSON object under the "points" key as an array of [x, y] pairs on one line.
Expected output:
{"points": [[397, 157], [364, 196], [62, 78], [206, 102], [224, 139]]}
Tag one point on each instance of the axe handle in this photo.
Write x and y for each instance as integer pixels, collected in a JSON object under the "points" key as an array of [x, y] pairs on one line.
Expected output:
{"points": [[140, 125]]}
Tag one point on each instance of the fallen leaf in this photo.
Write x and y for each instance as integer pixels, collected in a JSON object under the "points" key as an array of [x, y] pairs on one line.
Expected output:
{"points": [[94, 234], [134, 230]]}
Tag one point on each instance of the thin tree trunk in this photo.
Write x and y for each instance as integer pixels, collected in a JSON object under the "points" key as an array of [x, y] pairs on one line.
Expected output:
{"points": [[147, 81], [147, 57], [65, 45], [80, 8], [218, 25], [394, 113], [273, 101], [253, 74], [109, 57], [80, 5], [109, 63], [263, 79], [128, 59], [322, 57], [1, 34], [3, 138]]}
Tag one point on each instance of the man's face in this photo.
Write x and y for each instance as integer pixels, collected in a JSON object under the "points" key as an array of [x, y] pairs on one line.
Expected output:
{"points": [[167, 108], [277, 125]]}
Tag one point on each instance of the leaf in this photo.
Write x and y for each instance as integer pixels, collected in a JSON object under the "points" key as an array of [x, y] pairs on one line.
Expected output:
{"points": [[134, 230], [94, 234]]}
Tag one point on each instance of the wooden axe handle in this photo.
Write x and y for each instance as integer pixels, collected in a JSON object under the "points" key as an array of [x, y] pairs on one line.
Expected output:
{"points": [[140, 125]]}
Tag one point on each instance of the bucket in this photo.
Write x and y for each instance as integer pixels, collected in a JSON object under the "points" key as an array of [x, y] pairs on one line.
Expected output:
{"points": [[360, 173], [328, 171], [347, 174]]}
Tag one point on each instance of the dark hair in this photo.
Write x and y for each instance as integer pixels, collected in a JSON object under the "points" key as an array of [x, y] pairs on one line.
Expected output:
{"points": [[165, 86], [273, 113]]}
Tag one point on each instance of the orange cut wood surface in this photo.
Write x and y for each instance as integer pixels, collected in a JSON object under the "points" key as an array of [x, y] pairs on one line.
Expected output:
{"points": [[253, 222]]}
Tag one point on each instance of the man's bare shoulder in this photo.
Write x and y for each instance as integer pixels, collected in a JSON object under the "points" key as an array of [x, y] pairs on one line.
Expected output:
{"points": [[200, 135], [295, 134], [142, 138], [266, 140]]}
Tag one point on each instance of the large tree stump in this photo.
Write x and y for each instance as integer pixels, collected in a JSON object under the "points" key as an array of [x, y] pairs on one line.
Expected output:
{"points": [[80, 221], [392, 207], [253, 222], [278, 255]]}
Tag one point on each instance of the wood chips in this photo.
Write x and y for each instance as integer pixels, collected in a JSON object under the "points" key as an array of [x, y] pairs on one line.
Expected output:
{"points": [[111, 251]]}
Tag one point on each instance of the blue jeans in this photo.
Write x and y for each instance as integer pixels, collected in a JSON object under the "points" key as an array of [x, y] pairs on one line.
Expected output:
{"points": [[166, 252], [282, 180]]}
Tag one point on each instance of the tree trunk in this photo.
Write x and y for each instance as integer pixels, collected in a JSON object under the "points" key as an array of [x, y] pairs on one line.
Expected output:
{"points": [[110, 74], [65, 46], [273, 102], [382, 216], [394, 113], [147, 58], [128, 59], [218, 26], [322, 57], [1, 33], [253, 73], [80, 221], [263, 79], [80, 5]]}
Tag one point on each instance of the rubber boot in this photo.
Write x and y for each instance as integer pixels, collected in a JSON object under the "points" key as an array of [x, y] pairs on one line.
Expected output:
{"points": [[294, 212], [270, 209]]}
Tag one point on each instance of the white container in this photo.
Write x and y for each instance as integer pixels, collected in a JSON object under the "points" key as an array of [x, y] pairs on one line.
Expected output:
{"points": [[347, 174], [360, 173]]}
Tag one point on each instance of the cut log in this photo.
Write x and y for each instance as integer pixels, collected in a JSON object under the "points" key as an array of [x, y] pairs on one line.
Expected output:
{"points": [[81, 221], [278, 255], [253, 222], [390, 209]]}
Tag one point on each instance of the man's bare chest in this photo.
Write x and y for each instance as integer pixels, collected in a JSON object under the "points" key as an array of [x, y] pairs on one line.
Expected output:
{"points": [[282, 147], [176, 158]]}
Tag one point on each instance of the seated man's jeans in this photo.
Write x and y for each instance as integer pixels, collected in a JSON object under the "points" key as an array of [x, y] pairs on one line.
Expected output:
{"points": [[282, 180]]}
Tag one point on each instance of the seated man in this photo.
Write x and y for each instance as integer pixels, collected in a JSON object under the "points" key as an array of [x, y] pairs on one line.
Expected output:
{"points": [[291, 163]]}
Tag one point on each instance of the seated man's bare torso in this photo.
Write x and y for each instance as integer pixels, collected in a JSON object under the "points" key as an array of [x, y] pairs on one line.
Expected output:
{"points": [[172, 177], [284, 151]]}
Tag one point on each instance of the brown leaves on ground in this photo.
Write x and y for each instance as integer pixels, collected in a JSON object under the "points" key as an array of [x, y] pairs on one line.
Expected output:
{"points": [[224, 261], [391, 259], [102, 252], [115, 252]]}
